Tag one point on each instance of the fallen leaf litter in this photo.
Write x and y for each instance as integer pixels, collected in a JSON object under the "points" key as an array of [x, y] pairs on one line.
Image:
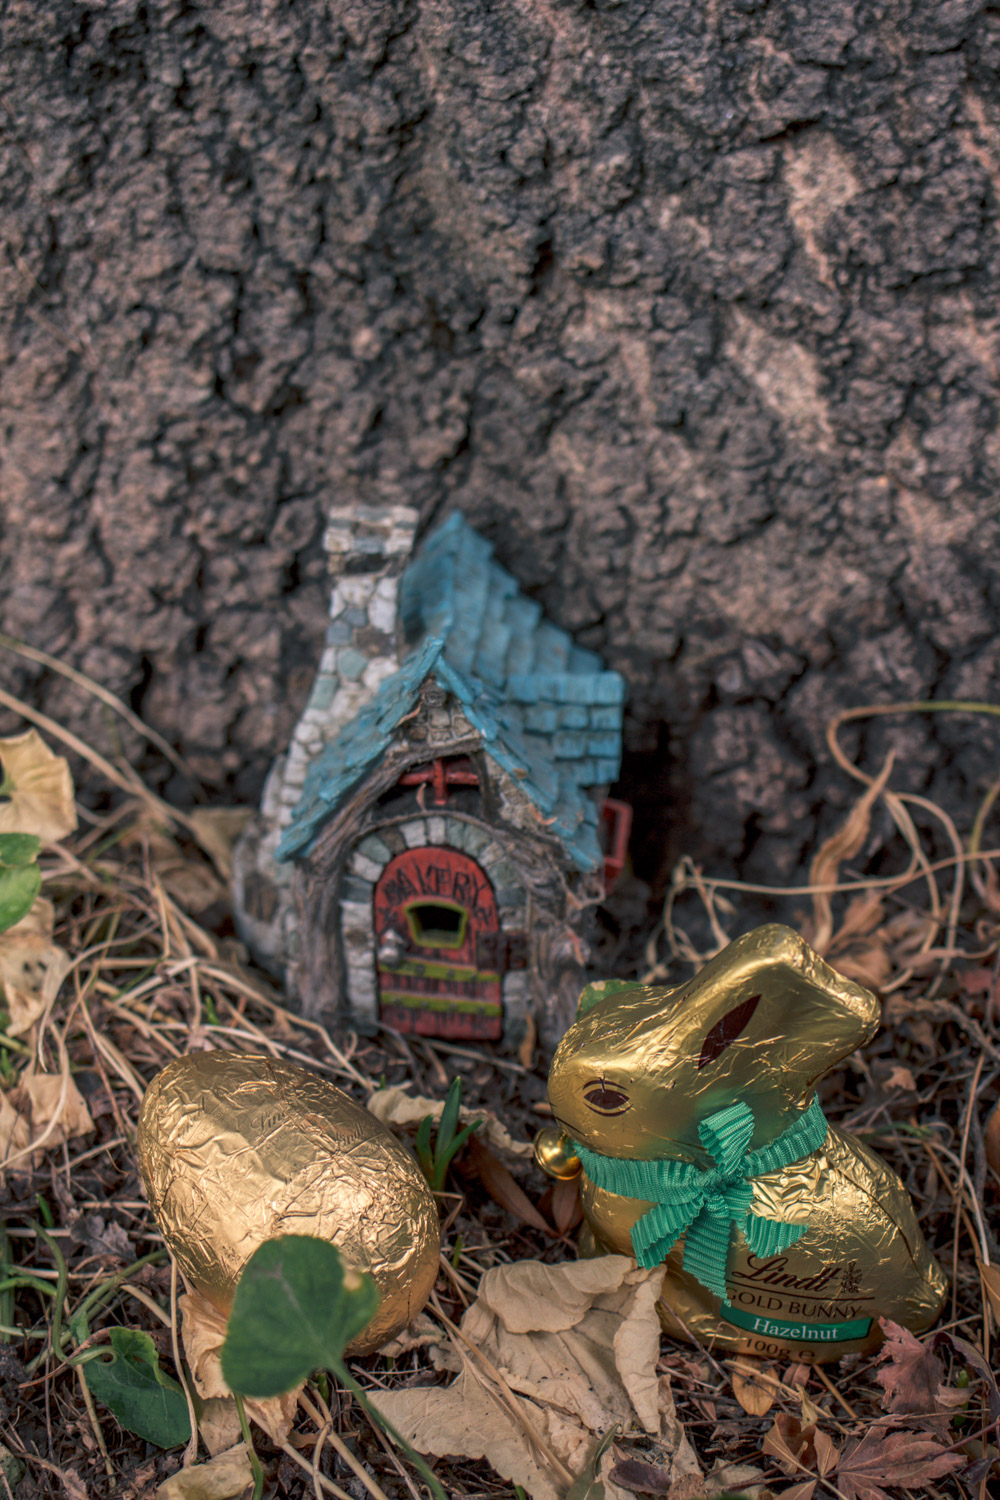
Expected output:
{"points": [[525, 1356]]}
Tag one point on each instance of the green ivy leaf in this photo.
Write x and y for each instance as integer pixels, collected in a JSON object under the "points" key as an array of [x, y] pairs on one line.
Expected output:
{"points": [[18, 848], [18, 889], [144, 1399], [297, 1307]]}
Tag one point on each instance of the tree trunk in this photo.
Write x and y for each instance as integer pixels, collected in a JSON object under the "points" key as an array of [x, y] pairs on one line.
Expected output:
{"points": [[692, 309]]}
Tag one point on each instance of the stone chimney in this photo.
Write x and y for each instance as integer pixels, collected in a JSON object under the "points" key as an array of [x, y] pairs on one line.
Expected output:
{"points": [[368, 548]]}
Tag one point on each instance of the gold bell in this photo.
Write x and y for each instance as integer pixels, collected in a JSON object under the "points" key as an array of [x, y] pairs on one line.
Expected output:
{"points": [[555, 1155]]}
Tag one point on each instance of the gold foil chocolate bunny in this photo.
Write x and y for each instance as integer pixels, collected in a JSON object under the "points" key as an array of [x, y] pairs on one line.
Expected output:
{"points": [[692, 1114]]}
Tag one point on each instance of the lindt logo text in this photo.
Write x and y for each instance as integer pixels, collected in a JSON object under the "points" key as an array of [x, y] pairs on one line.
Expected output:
{"points": [[773, 1273]]}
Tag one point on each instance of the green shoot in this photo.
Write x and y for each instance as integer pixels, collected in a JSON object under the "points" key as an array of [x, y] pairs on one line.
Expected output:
{"points": [[436, 1159]]}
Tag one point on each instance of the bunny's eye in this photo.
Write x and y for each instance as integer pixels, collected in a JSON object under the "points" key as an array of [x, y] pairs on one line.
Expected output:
{"points": [[600, 1096]]}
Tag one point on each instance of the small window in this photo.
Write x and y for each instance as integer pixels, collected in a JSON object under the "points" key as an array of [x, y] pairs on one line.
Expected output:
{"points": [[437, 924]]}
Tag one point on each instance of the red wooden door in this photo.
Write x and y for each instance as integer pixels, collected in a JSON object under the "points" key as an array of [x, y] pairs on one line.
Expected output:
{"points": [[436, 937]]}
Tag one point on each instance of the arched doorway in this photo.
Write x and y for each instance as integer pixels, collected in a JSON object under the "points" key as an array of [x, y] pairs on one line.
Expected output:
{"points": [[437, 944]]}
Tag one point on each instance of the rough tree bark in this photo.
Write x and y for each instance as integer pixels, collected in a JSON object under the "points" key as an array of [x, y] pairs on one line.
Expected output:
{"points": [[691, 308]]}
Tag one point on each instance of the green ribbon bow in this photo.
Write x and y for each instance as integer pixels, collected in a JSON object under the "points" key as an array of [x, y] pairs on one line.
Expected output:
{"points": [[707, 1202]]}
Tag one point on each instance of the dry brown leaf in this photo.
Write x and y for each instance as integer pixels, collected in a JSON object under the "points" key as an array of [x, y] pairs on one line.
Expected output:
{"points": [[790, 1443], [589, 1363], [217, 829], [187, 878], [683, 1459], [465, 1418], [691, 1487], [637, 1349], [860, 947], [866, 963], [32, 967], [804, 1491], [644, 1479], [908, 934], [104, 1239], [989, 1277], [901, 1460], [809, 1412], [41, 1111], [15, 1134], [912, 1372], [219, 1424], [862, 915], [501, 1186], [899, 1080], [844, 844], [72, 1484], [223, 1477], [40, 788], [827, 1453], [421, 1333], [754, 1387], [50, 1097], [203, 1332], [530, 1296], [913, 1379], [395, 1107], [567, 1210], [576, 1346], [745, 1479]]}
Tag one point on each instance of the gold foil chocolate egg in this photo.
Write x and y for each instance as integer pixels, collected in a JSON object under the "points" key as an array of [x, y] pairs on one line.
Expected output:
{"points": [[239, 1148], [704, 1148]]}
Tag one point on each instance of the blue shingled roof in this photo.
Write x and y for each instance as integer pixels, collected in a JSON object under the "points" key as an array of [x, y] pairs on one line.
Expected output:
{"points": [[453, 588], [548, 711], [357, 747]]}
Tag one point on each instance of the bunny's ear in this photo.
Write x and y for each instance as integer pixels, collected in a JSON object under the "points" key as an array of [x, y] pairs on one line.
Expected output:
{"points": [[724, 1032], [770, 983]]}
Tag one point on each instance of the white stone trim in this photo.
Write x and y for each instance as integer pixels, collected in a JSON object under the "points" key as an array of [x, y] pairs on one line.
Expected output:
{"points": [[415, 833], [493, 855], [363, 991], [517, 996], [382, 609], [368, 869], [358, 932]]}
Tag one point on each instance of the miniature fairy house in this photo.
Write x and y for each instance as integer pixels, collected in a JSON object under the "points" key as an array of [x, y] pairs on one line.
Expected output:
{"points": [[427, 854]]}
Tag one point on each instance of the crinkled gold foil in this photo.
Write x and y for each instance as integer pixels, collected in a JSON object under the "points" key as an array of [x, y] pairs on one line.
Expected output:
{"points": [[659, 1061], [238, 1148]]}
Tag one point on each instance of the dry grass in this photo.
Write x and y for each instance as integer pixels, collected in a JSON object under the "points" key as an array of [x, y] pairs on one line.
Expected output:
{"points": [[155, 972]]}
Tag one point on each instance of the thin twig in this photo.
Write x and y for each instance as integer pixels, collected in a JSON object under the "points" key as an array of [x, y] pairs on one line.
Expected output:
{"points": [[32, 653], [191, 1451], [497, 1386], [323, 1418], [303, 1463], [321, 1437], [95, 1425]]}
